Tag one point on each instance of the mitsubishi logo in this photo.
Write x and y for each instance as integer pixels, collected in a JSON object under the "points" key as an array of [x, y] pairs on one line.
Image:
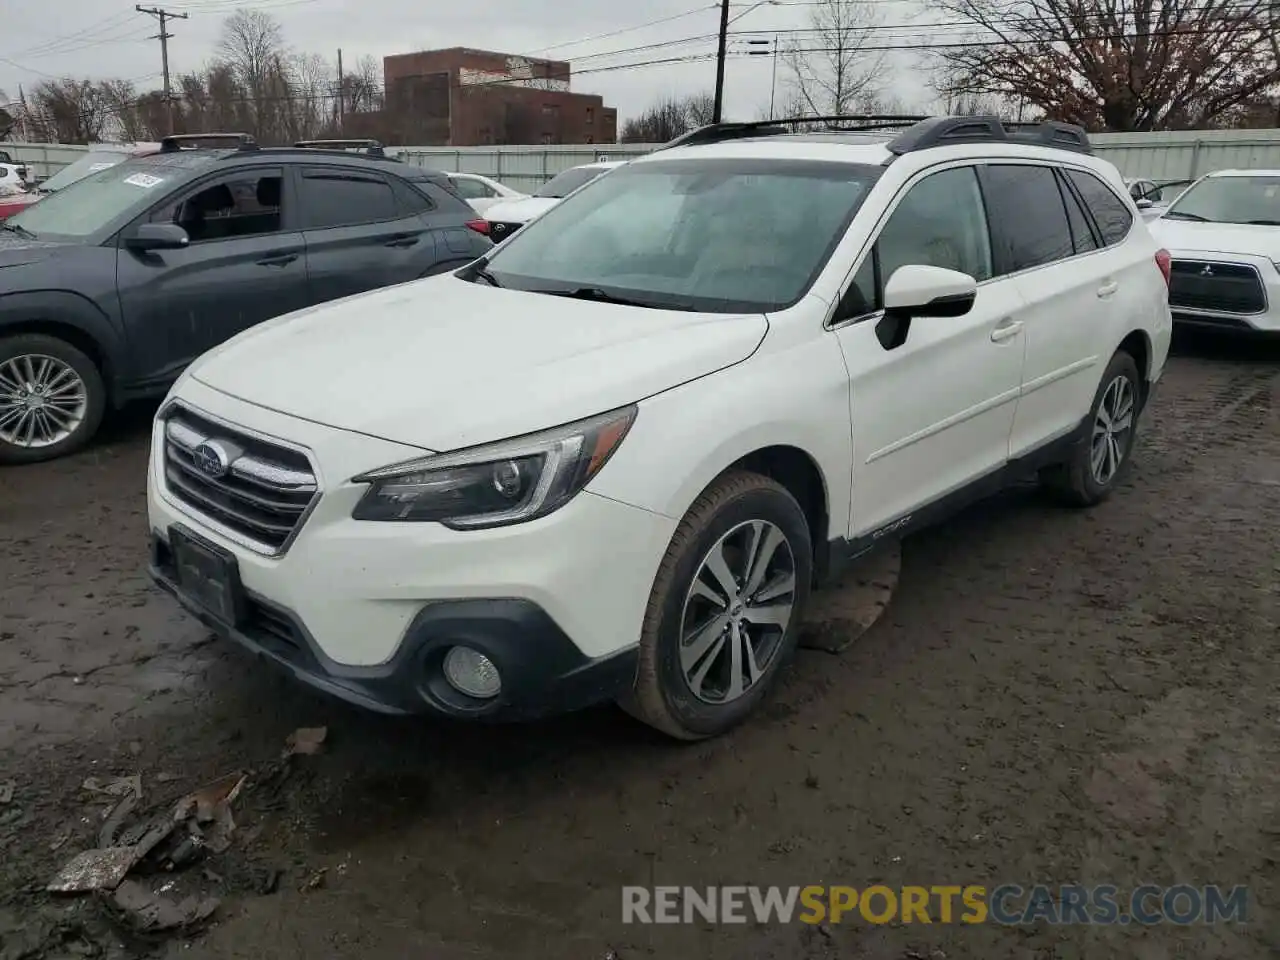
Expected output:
{"points": [[212, 459], [1207, 271]]}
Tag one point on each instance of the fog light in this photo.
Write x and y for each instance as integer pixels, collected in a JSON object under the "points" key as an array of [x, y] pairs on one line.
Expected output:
{"points": [[471, 672]]}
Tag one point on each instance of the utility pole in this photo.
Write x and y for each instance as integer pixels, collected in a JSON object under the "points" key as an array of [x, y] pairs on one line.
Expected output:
{"points": [[163, 36], [720, 55], [342, 96]]}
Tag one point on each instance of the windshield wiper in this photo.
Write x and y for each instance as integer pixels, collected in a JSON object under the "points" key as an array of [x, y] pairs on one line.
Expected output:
{"points": [[479, 270], [597, 295], [1179, 215], [1263, 223], [19, 229]]}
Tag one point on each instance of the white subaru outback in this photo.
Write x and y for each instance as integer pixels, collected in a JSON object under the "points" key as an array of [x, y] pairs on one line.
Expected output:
{"points": [[610, 460]]}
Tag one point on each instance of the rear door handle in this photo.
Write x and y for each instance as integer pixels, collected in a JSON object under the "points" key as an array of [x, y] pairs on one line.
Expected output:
{"points": [[1108, 288], [283, 260], [408, 240], [1005, 330]]}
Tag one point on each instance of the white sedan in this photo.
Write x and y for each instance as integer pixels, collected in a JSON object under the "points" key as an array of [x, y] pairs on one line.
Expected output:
{"points": [[481, 192]]}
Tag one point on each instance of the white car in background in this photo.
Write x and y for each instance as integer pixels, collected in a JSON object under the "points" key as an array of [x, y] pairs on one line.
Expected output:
{"points": [[1223, 234], [482, 192], [507, 217]]}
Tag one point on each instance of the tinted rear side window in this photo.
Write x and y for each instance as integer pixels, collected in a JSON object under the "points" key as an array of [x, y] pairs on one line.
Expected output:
{"points": [[1028, 219], [1081, 232], [335, 199], [1109, 211]]}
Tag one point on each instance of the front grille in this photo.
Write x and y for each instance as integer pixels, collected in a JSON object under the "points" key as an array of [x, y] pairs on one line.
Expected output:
{"points": [[256, 489], [1207, 285], [499, 230]]}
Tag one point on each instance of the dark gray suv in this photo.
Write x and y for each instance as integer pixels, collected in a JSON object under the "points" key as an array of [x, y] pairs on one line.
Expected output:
{"points": [[109, 288]]}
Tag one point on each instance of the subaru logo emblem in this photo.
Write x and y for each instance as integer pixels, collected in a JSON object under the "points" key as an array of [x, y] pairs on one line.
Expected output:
{"points": [[1207, 271], [211, 459]]}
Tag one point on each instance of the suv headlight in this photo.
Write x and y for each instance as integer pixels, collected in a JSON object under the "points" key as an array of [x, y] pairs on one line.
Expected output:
{"points": [[499, 483]]}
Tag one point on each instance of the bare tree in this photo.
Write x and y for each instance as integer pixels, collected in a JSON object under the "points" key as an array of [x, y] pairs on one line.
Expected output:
{"points": [[1120, 64], [67, 111], [362, 87], [669, 118], [831, 66], [120, 100], [252, 46]]}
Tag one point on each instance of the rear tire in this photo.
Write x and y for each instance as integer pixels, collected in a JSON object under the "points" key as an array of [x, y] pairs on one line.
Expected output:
{"points": [[52, 398], [725, 610], [1100, 461]]}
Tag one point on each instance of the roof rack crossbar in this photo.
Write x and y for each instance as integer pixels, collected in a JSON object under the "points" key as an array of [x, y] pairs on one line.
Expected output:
{"points": [[944, 131], [174, 142], [721, 132], [373, 147]]}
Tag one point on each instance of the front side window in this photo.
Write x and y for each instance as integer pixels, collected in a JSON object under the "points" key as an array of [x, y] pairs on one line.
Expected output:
{"points": [[339, 199], [1027, 215], [726, 236], [244, 205], [1252, 199], [1109, 212], [939, 223], [97, 201]]}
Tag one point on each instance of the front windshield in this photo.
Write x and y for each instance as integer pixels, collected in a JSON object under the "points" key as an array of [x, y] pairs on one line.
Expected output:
{"points": [[565, 183], [722, 236], [1253, 199], [87, 206], [91, 162]]}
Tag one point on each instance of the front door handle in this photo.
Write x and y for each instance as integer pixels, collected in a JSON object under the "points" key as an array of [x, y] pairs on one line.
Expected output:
{"points": [[1005, 330], [283, 260], [1107, 289], [408, 240]]}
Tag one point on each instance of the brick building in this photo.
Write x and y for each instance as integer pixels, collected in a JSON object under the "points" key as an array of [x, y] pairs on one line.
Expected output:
{"points": [[461, 97]]}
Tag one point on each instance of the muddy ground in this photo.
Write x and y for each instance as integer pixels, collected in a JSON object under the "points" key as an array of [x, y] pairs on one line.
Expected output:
{"points": [[1052, 697]]}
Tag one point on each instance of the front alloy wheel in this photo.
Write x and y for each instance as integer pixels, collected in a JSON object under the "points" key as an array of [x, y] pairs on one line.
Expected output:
{"points": [[725, 608], [51, 398], [737, 611]]}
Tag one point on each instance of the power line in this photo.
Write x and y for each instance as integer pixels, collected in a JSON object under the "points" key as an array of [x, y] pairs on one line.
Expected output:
{"points": [[617, 33]]}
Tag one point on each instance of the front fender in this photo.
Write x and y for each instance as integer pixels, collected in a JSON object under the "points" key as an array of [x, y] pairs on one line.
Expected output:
{"points": [[684, 438], [72, 315]]}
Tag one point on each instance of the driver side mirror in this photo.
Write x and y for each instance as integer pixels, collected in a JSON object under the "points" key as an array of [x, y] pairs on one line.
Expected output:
{"points": [[158, 236], [918, 290]]}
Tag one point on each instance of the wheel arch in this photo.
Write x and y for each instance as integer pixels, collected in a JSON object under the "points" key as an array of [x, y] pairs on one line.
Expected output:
{"points": [[71, 319], [800, 475], [1137, 344]]}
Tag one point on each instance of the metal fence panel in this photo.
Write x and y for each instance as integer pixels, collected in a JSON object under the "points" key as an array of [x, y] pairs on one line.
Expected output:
{"points": [[1159, 156]]}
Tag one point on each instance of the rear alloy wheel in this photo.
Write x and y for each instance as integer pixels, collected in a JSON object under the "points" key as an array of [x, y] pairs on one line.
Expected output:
{"points": [[725, 609], [1098, 463], [51, 399]]}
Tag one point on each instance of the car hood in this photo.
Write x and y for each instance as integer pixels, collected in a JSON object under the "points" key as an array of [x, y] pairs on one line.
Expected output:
{"points": [[1250, 239], [520, 211], [17, 251], [443, 363]]}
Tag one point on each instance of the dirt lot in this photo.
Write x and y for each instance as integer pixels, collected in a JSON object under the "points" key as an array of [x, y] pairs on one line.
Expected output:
{"points": [[1052, 697]]}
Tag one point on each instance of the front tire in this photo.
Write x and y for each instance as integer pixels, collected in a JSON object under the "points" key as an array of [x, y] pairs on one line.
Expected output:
{"points": [[51, 398], [725, 610], [1100, 461]]}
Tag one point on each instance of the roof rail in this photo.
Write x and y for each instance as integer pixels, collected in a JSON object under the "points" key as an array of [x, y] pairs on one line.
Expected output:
{"points": [[372, 147], [945, 131], [177, 141], [720, 132]]}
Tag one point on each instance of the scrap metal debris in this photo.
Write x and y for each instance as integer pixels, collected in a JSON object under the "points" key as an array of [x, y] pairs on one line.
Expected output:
{"points": [[119, 787], [94, 870], [6, 791], [148, 912], [206, 801], [306, 741]]}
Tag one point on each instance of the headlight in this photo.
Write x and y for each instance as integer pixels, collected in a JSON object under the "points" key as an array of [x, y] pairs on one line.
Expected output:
{"points": [[496, 484]]}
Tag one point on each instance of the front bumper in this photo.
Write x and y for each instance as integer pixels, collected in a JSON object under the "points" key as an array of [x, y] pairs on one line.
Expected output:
{"points": [[542, 671], [361, 609], [1265, 319]]}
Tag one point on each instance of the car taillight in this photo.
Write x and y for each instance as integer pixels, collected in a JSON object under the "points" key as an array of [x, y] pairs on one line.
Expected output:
{"points": [[1165, 263], [479, 226]]}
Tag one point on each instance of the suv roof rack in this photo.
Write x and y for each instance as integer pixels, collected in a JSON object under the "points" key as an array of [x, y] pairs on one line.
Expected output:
{"points": [[945, 131], [372, 147], [176, 142], [921, 133], [840, 123]]}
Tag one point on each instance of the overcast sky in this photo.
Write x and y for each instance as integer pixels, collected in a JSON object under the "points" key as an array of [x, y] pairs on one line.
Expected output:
{"points": [[108, 38]]}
